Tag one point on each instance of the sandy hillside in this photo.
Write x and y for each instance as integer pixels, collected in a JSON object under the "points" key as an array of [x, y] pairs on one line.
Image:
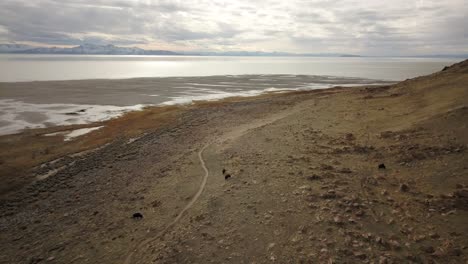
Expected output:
{"points": [[303, 183]]}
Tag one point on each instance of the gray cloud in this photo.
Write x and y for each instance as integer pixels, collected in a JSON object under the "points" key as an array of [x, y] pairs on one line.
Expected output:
{"points": [[366, 27]]}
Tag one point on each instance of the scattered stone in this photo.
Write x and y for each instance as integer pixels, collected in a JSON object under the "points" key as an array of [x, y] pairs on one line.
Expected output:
{"points": [[394, 244], [313, 177], [326, 167], [345, 170], [451, 212], [447, 249], [296, 238], [428, 249], [350, 137], [360, 255], [382, 166], [329, 195], [367, 236], [271, 245], [137, 216], [456, 252], [337, 220], [360, 213], [379, 240], [463, 193], [383, 260], [386, 134], [413, 258], [303, 229], [35, 260]]}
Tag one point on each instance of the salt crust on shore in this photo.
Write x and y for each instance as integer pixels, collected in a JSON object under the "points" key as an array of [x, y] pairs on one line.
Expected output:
{"points": [[16, 116], [71, 134]]}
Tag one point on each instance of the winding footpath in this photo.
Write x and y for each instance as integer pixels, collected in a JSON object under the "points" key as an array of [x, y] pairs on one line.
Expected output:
{"points": [[145, 242], [241, 130]]}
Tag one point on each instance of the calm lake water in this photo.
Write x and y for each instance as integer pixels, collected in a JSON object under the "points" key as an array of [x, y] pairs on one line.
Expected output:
{"points": [[14, 68]]}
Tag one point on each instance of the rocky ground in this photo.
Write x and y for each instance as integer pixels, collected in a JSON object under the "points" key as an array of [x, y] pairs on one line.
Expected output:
{"points": [[355, 175]]}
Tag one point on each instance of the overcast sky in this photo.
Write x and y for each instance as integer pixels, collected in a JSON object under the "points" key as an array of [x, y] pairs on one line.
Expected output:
{"points": [[367, 27]]}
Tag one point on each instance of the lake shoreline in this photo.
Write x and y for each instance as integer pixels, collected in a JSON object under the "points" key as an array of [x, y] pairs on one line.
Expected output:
{"points": [[53, 103]]}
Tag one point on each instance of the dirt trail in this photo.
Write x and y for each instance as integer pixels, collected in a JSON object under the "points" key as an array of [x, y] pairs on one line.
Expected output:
{"points": [[232, 135], [128, 260]]}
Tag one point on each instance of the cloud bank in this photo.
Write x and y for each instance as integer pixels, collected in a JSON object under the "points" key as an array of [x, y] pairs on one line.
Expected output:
{"points": [[372, 27]]}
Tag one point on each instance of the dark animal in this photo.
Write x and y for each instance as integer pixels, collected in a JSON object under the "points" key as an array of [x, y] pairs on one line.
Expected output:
{"points": [[224, 171], [137, 216], [227, 176], [382, 166], [404, 188]]}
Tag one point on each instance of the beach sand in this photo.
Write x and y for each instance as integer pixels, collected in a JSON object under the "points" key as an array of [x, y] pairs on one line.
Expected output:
{"points": [[304, 181]]}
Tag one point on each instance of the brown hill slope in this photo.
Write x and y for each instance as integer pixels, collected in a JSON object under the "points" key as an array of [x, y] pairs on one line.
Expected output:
{"points": [[305, 184]]}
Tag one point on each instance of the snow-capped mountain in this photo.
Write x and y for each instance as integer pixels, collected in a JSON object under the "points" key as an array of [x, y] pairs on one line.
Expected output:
{"points": [[7, 48], [114, 50], [91, 49]]}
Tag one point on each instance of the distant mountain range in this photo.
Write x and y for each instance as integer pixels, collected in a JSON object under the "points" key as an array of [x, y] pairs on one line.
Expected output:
{"points": [[92, 49], [85, 49], [12, 48], [267, 54]]}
